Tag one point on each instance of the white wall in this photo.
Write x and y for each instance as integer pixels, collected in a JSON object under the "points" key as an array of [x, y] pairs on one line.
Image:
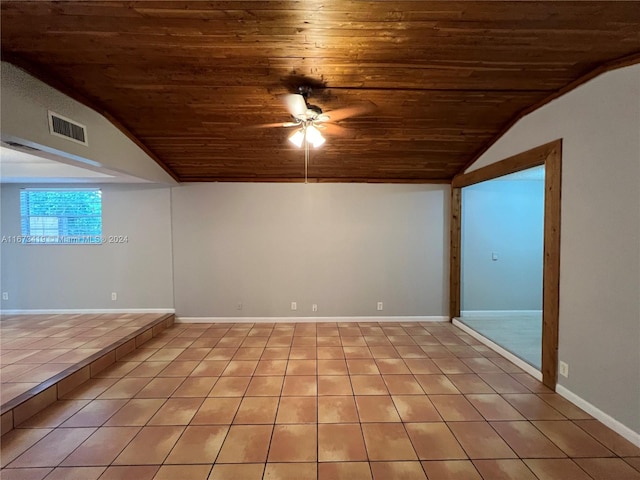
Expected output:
{"points": [[505, 217], [70, 277], [342, 246], [599, 124]]}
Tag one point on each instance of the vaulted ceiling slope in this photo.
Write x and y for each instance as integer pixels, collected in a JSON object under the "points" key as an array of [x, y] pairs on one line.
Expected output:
{"points": [[187, 80]]}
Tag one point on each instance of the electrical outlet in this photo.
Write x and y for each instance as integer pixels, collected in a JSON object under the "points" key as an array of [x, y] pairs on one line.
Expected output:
{"points": [[294, 306], [239, 306], [380, 306], [563, 369], [114, 296], [5, 295], [314, 307]]}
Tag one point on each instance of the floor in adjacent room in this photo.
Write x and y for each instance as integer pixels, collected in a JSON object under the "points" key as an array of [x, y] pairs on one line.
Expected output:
{"points": [[520, 333], [314, 401]]}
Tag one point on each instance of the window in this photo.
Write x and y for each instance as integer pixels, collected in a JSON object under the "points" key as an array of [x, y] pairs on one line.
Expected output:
{"points": [[61, 216]]}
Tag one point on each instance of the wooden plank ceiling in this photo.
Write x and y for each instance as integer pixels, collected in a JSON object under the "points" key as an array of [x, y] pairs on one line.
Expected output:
{"points": [[189, 79]]}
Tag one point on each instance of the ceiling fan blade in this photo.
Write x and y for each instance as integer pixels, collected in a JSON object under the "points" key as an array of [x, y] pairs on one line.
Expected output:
{"points": [[274, 125], [296, 105], [337, 130], [352, 111]]}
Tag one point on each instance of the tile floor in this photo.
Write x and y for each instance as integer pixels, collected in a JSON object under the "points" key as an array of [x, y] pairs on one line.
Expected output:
{"points": [[319, 401], [36, 348], [520, 334]]}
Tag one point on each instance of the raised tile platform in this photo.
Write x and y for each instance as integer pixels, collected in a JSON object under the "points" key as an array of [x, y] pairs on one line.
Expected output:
{"points": [[42, 357]]}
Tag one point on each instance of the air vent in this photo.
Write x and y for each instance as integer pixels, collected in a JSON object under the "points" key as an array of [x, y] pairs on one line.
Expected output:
{"points": [[63, 127], [20, 146]]}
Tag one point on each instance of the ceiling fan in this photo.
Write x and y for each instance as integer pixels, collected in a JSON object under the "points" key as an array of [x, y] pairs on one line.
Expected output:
{"points": [[312, 121]]}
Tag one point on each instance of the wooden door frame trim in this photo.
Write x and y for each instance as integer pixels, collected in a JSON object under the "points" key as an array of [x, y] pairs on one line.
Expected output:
{"points": [[549, 155]]}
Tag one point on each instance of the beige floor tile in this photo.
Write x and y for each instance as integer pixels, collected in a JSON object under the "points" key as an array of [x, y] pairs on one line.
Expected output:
{"points": [[402, 385], [470, 383], [257, 410], [553, 469], [434, 441], [160, 387], [217, 411], [183, 472], [376, 409], [265, 386], [362, 366], [150, 446], [102, 447], [387, 442], [18, 441], [136, 412], [251, 471], [344, 471], [494, 407], [176, 411], [533, 407], [610, 439], [53, 448], [127, 472], [526, 440], [455, 408], [75, 473], [436, 384], [179, 368], [198, 444], [504, 470], [491, 444], [397, 470], [95, 413], [451, 470], [338, 409], [392, 366], [608, 468], [271, 368], [301, 367], [230, 387], [422, 366], [246, 444], [341, 443], [571, 439], [297, 410], [368, 385], [55, 414], [291, 471], [195, 387], [299, 385], [565, 407], [334, 385], [415, 408], [25, 473], [294, 443]]}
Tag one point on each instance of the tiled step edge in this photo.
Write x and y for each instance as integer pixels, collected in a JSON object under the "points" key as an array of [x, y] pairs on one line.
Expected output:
{"points": [[23, 407]]}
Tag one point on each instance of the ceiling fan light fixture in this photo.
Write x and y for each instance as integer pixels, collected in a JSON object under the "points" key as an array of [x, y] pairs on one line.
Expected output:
{"points": [[314, 136], [297, 138]]}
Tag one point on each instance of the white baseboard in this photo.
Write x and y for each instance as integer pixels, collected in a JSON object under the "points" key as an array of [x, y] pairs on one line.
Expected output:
{"points": [[80, 311], [307, 319], [535, 373], [595, 412], [499, 313]]}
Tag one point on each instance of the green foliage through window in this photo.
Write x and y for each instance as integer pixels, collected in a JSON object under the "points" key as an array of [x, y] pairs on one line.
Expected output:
{"points": [[67, 216]]}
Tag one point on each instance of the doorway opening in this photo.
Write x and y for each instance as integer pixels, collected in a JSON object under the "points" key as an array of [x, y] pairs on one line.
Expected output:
{"points": [[502, 238], [548, 156]]}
